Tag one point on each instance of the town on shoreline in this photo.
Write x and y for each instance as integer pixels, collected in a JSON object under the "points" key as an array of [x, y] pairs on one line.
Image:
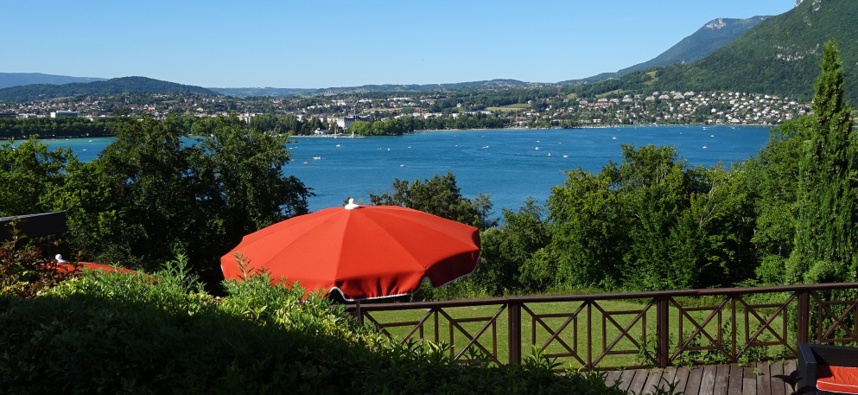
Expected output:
{"points": [[336, 114]]}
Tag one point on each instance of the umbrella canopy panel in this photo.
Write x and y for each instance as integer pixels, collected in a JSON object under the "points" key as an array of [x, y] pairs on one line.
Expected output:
{"points": [[365, 252]]}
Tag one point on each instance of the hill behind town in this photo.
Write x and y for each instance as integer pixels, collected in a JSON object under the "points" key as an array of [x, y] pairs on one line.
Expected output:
{"points": [[141, 85]]}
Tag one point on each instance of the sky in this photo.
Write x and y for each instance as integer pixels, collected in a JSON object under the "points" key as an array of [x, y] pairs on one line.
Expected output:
{"points": [[334, 43]]}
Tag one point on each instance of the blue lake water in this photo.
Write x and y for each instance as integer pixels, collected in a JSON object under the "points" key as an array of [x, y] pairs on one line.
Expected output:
{"points": [[509, 165]]}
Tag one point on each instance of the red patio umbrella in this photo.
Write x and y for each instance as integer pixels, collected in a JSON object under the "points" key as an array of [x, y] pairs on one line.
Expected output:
{"points": [[363, 252]]}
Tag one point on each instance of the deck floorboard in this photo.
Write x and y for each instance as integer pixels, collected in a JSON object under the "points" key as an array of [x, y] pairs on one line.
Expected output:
{"points": [[755, 379]]}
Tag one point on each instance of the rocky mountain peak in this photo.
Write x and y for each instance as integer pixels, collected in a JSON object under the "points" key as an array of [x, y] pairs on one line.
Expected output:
{"points": [[716, 24]]}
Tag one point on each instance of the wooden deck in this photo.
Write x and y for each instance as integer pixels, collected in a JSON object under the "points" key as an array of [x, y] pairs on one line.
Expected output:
{"points": [[757, 379]]}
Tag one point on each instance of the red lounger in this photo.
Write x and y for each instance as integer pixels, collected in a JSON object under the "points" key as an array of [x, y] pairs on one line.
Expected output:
{"points": [[825, 369]]}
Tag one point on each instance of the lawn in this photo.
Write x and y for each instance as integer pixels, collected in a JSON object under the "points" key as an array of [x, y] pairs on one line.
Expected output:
{"points": [[510, 108], [612, 93], [607, 317]]}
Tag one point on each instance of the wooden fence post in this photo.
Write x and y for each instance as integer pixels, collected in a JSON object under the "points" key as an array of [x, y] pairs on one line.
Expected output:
{"points": [[662, 331], [514, 331], [803, 316], [358, 313]]}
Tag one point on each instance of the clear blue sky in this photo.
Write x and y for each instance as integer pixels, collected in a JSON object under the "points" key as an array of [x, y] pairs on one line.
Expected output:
{"points": [[319, 44]]}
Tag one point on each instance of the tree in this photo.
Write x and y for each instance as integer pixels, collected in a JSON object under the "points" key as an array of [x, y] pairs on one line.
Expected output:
{"points": [[653, 191], [827, 227], [710, 243], [29, 174], [438, 196], [507, 251], [774, 175], [587, 231], [483, 203], [154, 190], [650, 223]]}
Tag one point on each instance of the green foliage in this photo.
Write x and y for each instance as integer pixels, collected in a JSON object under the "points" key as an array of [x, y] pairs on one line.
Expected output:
{"points": [[827, 225], [54, 127], [774, 174], [650, 223], [778, 56], [153, 190], [507, 252], [438, 196], [25, 266], [29, 175], [160, 333], [391, 127], [768, 60], [586, 233], [712, 237], [112, 86], [407, 124]]}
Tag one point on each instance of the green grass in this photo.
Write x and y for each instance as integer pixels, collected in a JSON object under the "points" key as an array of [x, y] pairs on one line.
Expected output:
{"points": [[612, 93], [510, 108], [624, 353], [654, 79]]}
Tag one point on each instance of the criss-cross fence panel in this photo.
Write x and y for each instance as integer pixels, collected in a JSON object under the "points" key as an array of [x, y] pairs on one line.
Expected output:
{"points": [[699, 330], [470, 329], [836, 318], [630, 330], [555, 334], [733, 327]]}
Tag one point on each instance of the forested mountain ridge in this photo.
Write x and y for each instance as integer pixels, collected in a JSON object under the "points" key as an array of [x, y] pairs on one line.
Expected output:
{"points": [[17, 79], [112, 86], [781, 55], [461, 86], [16, 87], [706, 40]]}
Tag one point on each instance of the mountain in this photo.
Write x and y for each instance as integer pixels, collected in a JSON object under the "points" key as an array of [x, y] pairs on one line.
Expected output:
{"points": [[461, 86], [267, 91], [706, 40], [781, 55], [107, 87], [17, 79]]}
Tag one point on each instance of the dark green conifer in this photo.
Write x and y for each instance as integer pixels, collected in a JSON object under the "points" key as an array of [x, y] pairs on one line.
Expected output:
{"points": [[825, 239]]}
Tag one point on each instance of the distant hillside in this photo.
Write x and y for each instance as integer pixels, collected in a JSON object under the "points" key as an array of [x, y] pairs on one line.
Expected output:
{"points": [[17, 79], [267, 91], [112, 86], [706, 40], [281, 92], [781, 55]]}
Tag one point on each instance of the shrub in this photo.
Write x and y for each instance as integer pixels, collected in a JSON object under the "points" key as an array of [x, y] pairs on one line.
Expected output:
{"points": [[158, 333], [24, 267]]}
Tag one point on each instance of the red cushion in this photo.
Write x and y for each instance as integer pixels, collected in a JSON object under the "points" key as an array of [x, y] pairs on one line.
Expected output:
{"points": [[840, 379]]}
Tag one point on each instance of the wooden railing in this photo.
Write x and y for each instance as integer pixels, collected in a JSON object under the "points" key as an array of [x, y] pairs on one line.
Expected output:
{"points": [[631, 330]]}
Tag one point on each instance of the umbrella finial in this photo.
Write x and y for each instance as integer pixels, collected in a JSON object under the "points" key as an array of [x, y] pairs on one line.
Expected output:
{"points": [[351, 205]]}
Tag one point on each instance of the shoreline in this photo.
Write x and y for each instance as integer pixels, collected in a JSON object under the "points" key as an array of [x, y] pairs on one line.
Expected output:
{"points": [[333, 137], [539, 129]]}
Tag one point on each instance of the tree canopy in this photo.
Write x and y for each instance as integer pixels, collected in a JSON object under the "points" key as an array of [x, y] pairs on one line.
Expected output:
{"points": [[155, 191], [827, 225]]}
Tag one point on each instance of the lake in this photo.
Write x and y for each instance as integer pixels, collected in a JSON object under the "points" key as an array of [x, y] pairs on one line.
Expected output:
{"points": [[509, 165]]}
